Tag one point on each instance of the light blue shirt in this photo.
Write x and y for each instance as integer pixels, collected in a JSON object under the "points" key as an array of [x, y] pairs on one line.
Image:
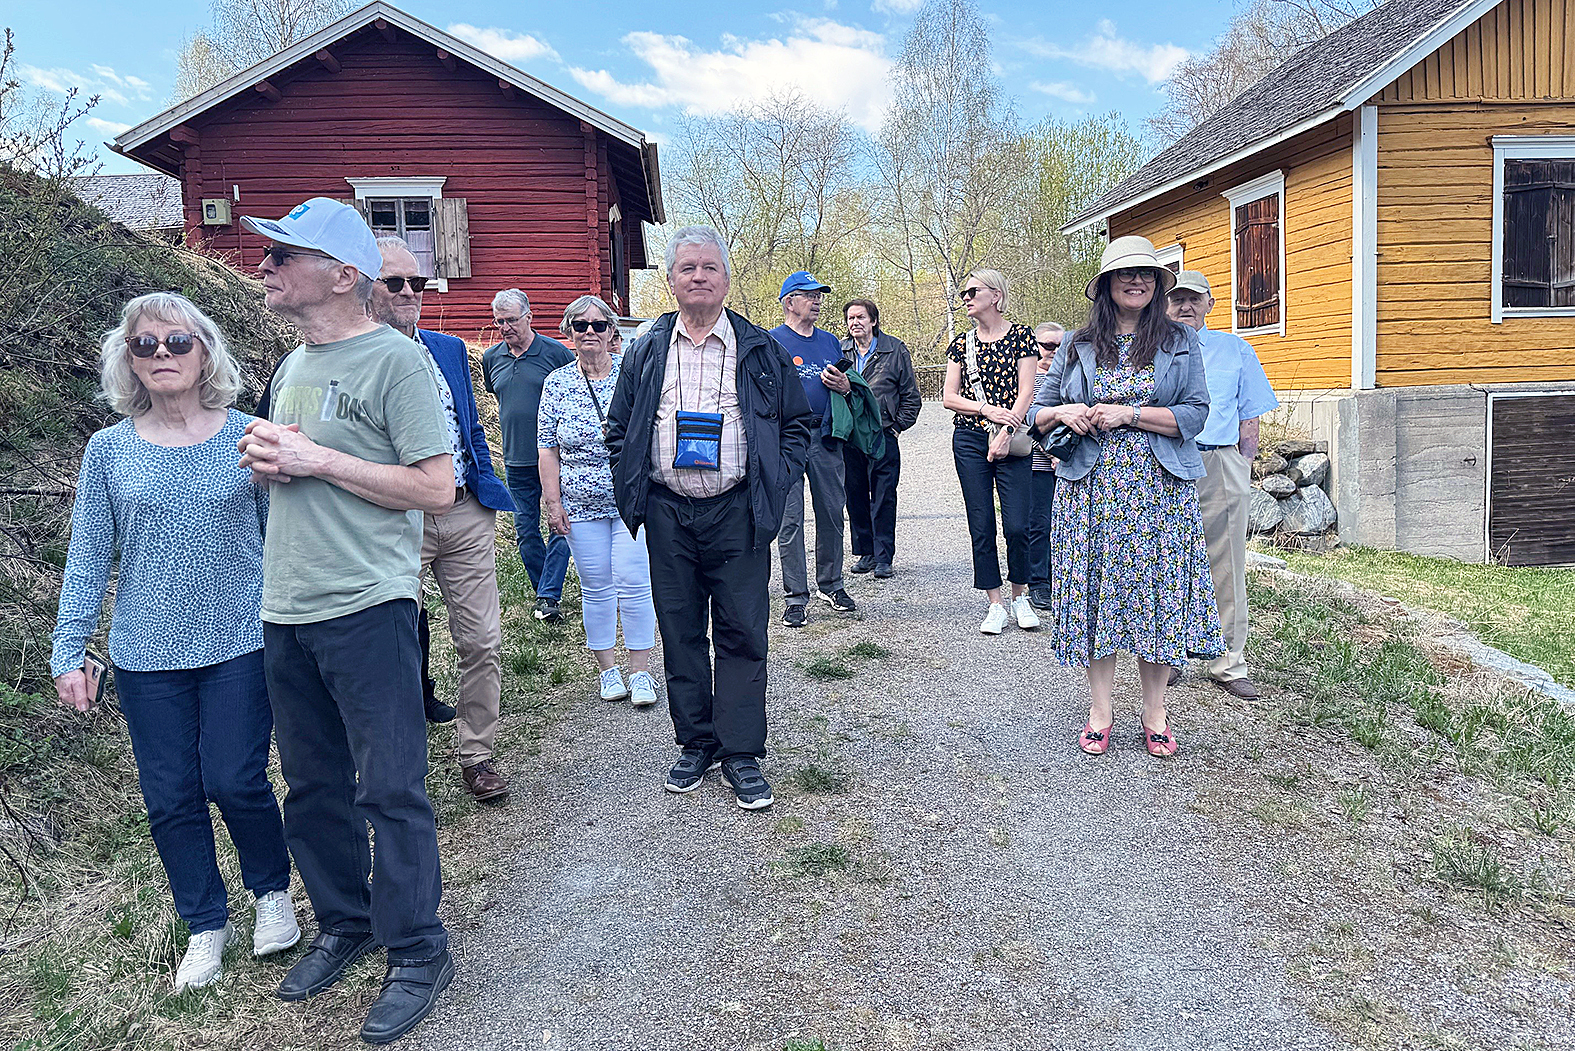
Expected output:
{"points": [[1238, 388]]}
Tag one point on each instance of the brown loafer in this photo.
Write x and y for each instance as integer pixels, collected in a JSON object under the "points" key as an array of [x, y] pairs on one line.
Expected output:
{"points": [[1243, 688], [484, 781]]}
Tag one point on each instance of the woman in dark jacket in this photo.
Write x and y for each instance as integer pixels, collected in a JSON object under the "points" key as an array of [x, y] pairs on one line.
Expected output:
{"points": [[1130, 565], [887, 367]]}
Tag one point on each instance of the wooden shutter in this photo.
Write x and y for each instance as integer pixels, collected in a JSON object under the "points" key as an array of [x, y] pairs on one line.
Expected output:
{"points": [[1258, 263], [1539, 233], [451, 237]]}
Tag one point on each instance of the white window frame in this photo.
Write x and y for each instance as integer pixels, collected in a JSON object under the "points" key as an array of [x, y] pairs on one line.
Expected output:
{"points": [[1519, 148], [1172, 254], [1272, 184], [401, 186]]}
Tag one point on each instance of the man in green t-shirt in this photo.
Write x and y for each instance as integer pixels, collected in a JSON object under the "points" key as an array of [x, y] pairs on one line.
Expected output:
{"points": [[354, 450]]}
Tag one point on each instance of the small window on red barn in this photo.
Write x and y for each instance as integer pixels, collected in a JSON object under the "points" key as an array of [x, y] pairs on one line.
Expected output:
{"points": [[1257, 220]]}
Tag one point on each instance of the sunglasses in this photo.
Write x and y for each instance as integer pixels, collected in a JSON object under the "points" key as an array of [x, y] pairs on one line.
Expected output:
{"points": [[281, 255], [1047, 346], [967, 294], [396, 285], [176, 343], [594, 326]]}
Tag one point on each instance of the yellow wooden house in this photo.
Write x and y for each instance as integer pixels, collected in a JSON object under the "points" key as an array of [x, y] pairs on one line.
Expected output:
{"points": [[1389, 218]]}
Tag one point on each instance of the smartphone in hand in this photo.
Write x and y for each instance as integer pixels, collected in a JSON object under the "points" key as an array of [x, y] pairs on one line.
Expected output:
{"points": [[843, 365], [96, 669]]}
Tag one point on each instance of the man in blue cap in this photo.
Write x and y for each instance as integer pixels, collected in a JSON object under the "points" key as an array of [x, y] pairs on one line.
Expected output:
{"points": [[355, 449], [815, 353]]}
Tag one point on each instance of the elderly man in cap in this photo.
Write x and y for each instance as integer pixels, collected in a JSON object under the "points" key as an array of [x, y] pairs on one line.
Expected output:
{"points": [[1239, 393], [706, 430], [459, 546], [355, 449], [815, 354]]}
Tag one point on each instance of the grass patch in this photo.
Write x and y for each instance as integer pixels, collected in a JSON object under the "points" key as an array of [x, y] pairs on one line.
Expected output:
{"points": [[821, 780], [1459, 859], [815, 1044], [843, 663], [1528, 612], [816, 859], [867, 650]]}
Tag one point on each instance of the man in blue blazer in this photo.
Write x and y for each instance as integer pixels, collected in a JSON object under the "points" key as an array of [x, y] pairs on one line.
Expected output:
{"points": [[458, 546]]}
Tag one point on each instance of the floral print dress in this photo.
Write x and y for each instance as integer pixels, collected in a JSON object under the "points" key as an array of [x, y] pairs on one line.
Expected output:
{"points": [[1130, 566]]}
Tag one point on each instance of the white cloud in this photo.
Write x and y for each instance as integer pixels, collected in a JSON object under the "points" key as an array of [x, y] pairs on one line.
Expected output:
{"points": [[108, 127], [1065, 92], [1107, 50], [833, 65], [506, 44], [63, 80], [896, 7]]}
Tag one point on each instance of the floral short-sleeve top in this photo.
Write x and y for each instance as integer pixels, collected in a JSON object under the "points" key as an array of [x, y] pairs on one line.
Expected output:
{"points": [[570, 421], [997, 369]]}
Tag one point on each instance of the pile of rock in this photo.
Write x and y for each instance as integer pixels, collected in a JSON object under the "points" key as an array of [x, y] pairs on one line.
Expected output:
{"points": [[1289, 502]]}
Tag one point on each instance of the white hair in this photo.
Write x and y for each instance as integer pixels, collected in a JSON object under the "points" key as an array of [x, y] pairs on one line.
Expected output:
{"points": [[511, 297], [220, 382], [577, 309], [697, 235], [1050, 326], [393, 241]]}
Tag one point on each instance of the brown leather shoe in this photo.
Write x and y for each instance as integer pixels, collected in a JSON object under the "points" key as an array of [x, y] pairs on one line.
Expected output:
{"points": [[1175, 676], [484, 781], [1243, 688]]}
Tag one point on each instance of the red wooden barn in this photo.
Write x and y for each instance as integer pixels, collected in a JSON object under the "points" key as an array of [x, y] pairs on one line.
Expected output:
{"points": [[496, 179]]}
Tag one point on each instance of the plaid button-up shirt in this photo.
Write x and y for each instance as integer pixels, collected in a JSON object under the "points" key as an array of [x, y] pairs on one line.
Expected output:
{"points": [[706, 373]]}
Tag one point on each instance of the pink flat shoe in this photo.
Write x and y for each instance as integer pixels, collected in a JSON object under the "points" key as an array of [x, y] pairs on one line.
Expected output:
{"points": [[1092, 741], [1161, 743]]}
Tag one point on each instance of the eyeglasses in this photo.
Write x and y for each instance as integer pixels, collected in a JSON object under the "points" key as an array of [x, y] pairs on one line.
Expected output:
{"points": [[967, 294], [580, 325], [396, 285], [813, 297], [281, 255], [1137, 273], [1047, 346], [176, 343], [502, 321]]}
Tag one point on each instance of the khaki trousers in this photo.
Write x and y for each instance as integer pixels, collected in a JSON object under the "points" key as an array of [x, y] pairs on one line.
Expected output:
{"points": [[1222, 497], [460, 548]]}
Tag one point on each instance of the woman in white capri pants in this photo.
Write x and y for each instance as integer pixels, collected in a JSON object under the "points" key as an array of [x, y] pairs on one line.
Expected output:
{"points": [[577, 490]]}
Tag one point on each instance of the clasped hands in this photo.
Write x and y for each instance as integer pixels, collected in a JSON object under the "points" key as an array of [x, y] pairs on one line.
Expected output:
{"points": [[1086, 418], [275, 453]]}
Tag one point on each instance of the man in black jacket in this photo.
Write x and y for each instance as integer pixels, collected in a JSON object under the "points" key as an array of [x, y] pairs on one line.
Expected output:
{"points": [[707, 428]]}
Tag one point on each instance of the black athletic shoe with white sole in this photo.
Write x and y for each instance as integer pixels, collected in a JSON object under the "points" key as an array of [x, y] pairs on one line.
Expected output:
{"points": [[691, 767], [793, 616], [749, 784], [838, 600]]}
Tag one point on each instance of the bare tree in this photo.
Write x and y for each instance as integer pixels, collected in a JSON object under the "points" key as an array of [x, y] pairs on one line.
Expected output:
{"points": [[243, 33], [1259, 38], [35, 128]]}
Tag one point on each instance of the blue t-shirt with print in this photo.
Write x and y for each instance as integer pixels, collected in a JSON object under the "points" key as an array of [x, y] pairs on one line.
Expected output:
{"points": [[811, 356]]}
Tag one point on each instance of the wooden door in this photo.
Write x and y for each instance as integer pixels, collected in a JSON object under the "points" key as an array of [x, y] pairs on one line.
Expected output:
{"points": [[1531, 492]]}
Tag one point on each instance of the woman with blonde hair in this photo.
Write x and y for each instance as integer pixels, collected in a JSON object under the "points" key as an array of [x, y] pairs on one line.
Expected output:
{"points": [[989, 385], [162, 494]]}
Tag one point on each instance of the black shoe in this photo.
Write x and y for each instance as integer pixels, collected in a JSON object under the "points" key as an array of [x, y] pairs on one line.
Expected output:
{"points": [[1039, 598], [547, 610], [793, 616], [690, 769], [749, 784], [437, 711], [863, 565], [882, 570], [324, 964], [839, 601], [410, 990]]}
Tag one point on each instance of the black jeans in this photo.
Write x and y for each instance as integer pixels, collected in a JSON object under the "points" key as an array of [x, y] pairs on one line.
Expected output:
{"points": [[703, 566], [352, 737], [1043, 488], [982, 481], [872, 499]]}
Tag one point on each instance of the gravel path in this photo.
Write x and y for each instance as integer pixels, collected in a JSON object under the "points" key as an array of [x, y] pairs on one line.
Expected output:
{"points": [[984, 884]]}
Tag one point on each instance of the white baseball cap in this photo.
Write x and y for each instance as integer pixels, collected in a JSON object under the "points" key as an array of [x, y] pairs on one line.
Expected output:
{"points": [[1193, 281], [327, 226]]}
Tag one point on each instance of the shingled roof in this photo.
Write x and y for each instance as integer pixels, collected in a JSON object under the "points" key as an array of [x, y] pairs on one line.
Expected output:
{"points": [[1328, 77], [138, 202]]}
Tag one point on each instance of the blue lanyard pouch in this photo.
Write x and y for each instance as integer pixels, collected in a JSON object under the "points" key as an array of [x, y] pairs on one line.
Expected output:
{"points": [[699, 441]]}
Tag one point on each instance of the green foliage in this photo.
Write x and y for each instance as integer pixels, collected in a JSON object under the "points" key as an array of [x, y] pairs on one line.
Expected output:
{"points": [[1459, 859], [821, 780], [816, 859]]}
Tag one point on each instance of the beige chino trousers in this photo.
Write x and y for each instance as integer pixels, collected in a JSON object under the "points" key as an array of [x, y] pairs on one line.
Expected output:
{"points": [[1222, 497], [459, 548]]}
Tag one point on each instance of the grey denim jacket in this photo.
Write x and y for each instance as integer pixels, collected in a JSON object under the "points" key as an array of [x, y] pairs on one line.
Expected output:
{"points": [[1178, 386]]}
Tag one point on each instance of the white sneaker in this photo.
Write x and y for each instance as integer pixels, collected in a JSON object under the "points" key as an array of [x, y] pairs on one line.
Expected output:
{"points": [[1023, 610], [642, 689], [204, 959], [994, 620], [276, 929], [613, 688]]}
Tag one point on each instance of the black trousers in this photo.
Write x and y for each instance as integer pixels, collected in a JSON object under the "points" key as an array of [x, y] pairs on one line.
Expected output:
{"points": [[704, 566], [1043, 488], [872, 499], [982, 481], [352, 735]]}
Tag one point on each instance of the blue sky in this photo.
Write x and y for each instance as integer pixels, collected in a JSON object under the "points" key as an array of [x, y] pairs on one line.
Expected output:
{"points": [[648, 64]]}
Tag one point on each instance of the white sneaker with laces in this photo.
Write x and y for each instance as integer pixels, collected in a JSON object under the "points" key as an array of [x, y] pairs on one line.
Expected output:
{"points": [[1023, 610], [204, 959], [613, 688], [995, 620], [276, 929], [642, 689]]}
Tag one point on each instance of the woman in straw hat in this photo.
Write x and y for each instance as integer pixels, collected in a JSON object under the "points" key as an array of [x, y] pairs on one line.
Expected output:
{"points": [[1131, 567]]}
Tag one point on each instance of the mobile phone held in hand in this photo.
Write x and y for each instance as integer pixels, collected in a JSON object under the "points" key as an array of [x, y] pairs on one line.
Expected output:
{"points": [[96, 669], [843, 365]]}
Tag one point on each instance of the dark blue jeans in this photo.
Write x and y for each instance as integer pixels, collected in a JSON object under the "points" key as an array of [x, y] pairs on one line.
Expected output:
{"points": [[982, 481], [201, 735], [546, 563], [872, 499], [1039, 529], [353, 747]]}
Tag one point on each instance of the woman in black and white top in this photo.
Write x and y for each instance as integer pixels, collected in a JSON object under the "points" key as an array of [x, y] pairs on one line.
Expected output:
{"points": [[1003, 372]]}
